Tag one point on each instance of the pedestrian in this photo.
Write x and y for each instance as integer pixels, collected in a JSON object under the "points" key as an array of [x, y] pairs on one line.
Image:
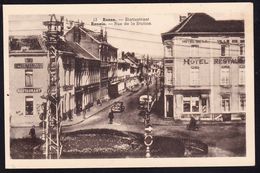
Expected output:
{"points": [[99, 102], [32, 133], [193, 124], [111, 117]]}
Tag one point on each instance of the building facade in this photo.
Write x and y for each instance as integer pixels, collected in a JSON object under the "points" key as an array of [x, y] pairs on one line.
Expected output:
{"points": [[29, 66], [204, 69]]}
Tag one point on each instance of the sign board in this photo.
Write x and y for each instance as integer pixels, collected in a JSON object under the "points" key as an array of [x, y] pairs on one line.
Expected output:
{"points": [[28, 65], [29, 90], [148, 140]]}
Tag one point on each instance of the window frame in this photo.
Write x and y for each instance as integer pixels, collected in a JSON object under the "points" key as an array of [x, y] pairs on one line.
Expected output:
{"points": [[226, 98], [189, 100], [28, 78], [194, 76], [242, 97], [225, 78], [28, 100]]}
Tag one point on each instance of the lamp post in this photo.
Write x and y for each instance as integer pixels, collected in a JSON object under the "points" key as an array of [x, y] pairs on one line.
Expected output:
{"points": [[148, 140]]}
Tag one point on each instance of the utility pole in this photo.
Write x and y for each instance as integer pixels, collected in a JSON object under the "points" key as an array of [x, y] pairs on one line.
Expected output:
{"points": [[147, 82], [52, 126]]}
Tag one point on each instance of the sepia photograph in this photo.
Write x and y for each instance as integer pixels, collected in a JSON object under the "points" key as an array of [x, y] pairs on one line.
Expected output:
{"points": [[129, 85]]}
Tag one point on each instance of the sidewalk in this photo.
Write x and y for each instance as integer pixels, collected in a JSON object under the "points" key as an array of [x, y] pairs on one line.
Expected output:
{"points": [[93, 110]]}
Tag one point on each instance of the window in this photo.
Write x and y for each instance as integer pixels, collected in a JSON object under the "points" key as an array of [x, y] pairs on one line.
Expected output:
{"points": [[65, 76], [223, 50], [28, 78], [194, 52], [241, 50], [168, 51], [194, 76], [225, 105], [29, 105], [190, 104], [225, 76], [169, 75], [242, 102], [241, 74]]}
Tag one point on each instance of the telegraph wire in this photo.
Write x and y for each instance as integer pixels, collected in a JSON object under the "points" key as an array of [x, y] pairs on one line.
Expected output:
{"points": [[137, 32]]}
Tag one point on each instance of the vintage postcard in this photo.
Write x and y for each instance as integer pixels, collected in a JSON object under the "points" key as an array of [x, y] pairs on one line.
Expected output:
{"points": [[129, 85]]}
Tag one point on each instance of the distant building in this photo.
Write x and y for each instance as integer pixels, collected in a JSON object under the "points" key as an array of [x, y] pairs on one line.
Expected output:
{"points": [[204, 69]]}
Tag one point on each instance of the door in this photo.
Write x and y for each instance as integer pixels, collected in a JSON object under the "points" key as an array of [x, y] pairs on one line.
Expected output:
{"points": [[169, 106]]}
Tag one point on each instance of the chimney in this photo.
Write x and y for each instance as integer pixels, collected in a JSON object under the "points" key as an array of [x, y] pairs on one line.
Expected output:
{"points": [[133, 54], [182, 18]]}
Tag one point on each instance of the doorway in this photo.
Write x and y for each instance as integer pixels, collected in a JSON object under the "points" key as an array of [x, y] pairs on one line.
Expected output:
{"points": [[169, 106]]}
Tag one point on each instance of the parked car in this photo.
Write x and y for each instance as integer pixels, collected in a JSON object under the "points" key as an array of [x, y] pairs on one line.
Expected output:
{"points": [[118, 107], [143, 101]]}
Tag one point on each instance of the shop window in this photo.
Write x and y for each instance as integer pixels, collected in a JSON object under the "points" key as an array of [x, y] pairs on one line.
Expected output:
{"points": [[242, 102], [194, 76], [169, 75], [241, 80], [168, 51], [29, 105], [194, 52], [204, 105], [225, 76], [191, 104], [223, 50], [28, 78], [225, 103]]}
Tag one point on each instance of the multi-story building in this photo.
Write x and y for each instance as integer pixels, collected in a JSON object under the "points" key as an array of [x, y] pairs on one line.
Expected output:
{"points": [[204, 69], [28, 69], [87, 66], [28, 78], [101, 53]]}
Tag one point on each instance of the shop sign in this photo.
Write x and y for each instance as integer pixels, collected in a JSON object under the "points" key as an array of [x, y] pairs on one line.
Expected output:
{"points": [[28, 65], [29, 90], [238, 60], [191, 61], [194, 41], [221, 60]]}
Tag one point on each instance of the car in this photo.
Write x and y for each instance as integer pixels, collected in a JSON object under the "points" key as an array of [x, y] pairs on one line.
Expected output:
{"points": [[118, 107], [144, 100]]}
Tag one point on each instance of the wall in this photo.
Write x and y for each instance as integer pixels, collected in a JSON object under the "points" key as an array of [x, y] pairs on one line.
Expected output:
{"points": [[17, 80]]}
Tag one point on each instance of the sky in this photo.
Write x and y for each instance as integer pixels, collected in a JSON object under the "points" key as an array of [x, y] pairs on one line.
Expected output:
{"points": [[146, 42]]}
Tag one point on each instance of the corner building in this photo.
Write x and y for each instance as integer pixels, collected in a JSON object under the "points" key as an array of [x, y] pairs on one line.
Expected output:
{"points": [[204, 69]]}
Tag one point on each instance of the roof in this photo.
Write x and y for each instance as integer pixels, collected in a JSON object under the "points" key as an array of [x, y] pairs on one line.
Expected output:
{"points": [[79, 51], [96, 36], [26, 43], [203, 23]]}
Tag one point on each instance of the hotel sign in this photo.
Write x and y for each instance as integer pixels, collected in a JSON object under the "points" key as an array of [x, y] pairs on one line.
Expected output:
{"points": [[28, 65], [29, 90], [221, 60]]}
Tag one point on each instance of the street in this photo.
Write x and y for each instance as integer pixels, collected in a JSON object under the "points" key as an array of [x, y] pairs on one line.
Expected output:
{"points": [[129, 120]]}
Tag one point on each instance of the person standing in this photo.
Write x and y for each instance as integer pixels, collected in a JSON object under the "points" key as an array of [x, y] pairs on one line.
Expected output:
{"points": [[32, 133], [111, 117]]}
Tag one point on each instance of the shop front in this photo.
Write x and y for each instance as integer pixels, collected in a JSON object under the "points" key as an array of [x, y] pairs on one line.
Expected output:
{"points": [[184, 104]]}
